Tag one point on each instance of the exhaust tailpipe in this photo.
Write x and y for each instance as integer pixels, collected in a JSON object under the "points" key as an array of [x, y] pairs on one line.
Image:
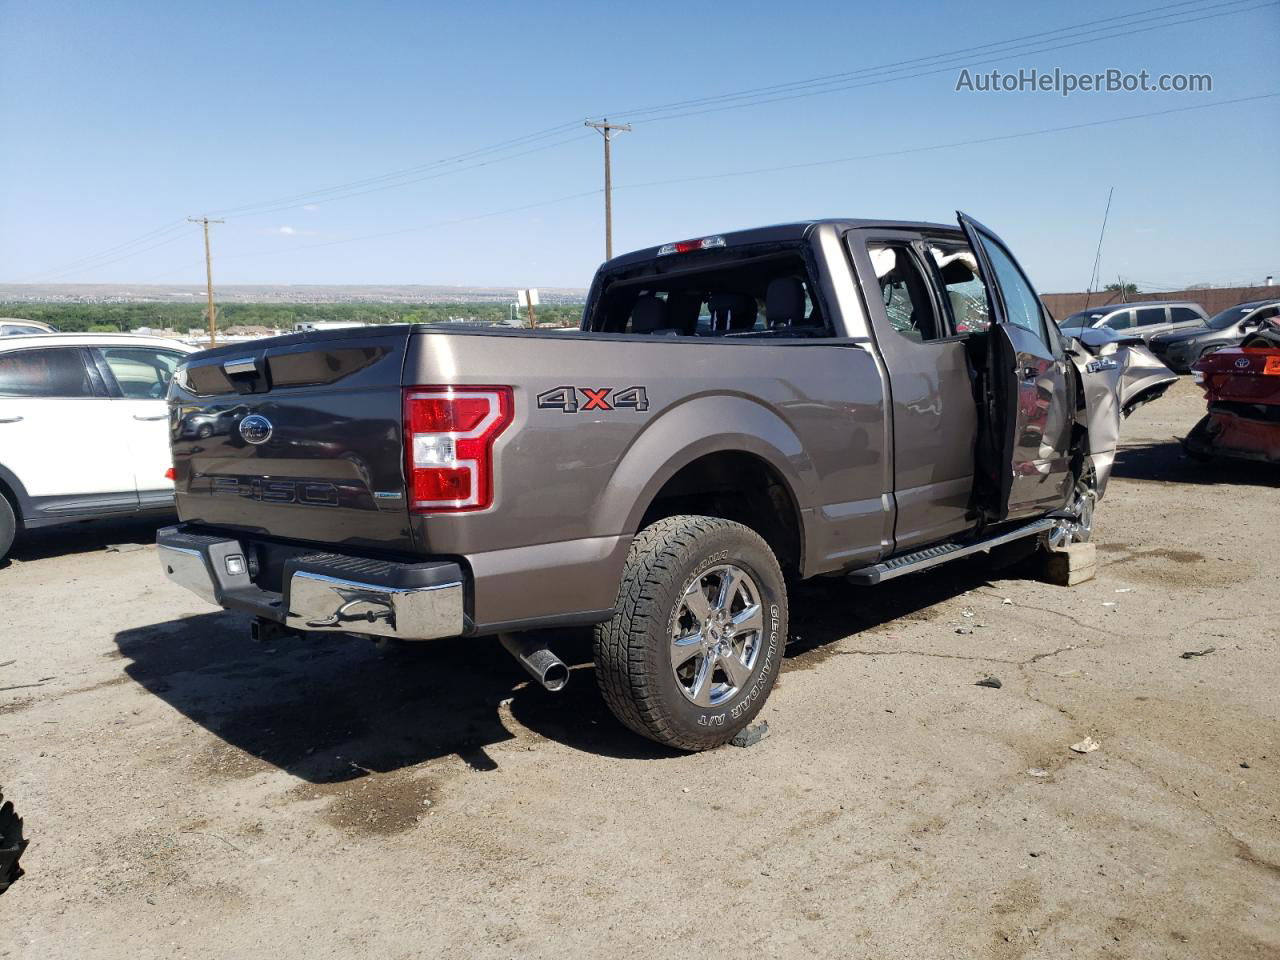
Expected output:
{"points": [[541, 664]]}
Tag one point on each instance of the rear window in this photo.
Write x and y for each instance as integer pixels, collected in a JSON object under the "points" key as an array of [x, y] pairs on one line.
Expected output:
{"points": [[729, 295], [57, 372], [314, 367], [306, 367], [207, 380], [19, 329]]}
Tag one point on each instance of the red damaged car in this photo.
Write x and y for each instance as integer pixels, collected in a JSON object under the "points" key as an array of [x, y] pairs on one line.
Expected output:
{"points": [[1242, 385]]}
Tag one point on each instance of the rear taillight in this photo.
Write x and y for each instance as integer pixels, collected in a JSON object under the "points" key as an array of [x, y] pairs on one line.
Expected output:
{"points": [[448, 440]]}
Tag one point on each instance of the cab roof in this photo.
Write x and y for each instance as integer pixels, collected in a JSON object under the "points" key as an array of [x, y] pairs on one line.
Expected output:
{"points": [[787, 232]]}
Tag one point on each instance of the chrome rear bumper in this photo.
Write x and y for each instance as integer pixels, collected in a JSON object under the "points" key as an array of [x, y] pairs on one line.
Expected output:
{"points": [[322, 591], [320, 602]]}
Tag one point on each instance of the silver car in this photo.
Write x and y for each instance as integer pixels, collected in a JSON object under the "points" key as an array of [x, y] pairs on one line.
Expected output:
{"points": [[1145, 319]]}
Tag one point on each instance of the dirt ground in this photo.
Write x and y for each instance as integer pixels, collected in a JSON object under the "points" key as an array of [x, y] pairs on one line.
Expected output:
{"points": [[188, 793]]}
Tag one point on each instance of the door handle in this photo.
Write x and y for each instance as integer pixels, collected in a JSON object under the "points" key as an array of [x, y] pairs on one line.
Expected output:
{"points": [[163, 416], [10, 419]]}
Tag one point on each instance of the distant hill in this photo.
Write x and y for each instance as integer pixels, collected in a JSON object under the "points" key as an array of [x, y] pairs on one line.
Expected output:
{"points": [[273, 293]]}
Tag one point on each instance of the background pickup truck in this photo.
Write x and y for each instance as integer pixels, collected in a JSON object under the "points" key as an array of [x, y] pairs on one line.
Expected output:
{"points": [[856, 398]]}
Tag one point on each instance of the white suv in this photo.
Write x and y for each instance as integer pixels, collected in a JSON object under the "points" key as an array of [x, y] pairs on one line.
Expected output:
{"points": [[83, 427], [13, 327]]}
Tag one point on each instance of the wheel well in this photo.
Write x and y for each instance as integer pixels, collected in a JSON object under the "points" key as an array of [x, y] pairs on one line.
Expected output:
{"points": [[736, 486], [14, 503]]}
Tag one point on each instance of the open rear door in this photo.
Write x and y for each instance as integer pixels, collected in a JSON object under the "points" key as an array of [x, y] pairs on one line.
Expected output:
{"points": [[1028, 401]]}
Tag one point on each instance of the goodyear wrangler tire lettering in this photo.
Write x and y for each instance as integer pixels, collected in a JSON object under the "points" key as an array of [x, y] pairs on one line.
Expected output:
{"points": [[698, 593]]}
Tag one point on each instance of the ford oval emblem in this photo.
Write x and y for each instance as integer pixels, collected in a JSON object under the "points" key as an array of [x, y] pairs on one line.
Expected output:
{"points": [[255, 428]]}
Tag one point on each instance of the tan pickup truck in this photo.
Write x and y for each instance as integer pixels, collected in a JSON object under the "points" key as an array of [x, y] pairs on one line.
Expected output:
{"points": [[856, 398]]}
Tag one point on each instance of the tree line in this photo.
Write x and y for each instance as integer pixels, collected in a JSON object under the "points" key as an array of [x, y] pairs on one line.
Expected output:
{"points": [[124, 317]]}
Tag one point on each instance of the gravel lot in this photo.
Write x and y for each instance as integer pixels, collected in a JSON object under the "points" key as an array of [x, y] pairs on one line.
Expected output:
{"points": [[189, 793]]}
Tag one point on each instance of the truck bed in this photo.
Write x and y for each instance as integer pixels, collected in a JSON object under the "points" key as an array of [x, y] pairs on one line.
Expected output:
{"points": [[600, 423]]}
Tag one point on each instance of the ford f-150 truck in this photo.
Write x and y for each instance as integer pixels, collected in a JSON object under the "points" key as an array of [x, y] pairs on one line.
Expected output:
{"points": [[849, 398]]}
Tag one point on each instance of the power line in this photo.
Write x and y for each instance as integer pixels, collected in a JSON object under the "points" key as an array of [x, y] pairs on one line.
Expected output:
{"points": [[319, 195], [833, 77], [405, 177], [97, 264], [404, 183], [821, 88], [816, 86], [105, 258], [90, 259], [97, 260], [723, 174], [447, 223]]}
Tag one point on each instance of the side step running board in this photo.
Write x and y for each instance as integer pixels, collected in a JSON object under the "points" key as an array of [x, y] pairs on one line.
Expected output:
{"points": [[933, 556]]}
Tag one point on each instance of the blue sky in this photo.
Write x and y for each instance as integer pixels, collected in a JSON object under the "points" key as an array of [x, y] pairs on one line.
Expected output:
{"points": [[121, 119]]}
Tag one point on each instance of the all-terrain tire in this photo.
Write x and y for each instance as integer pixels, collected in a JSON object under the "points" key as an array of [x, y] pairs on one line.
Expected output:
{"points": [[8, 526], [633, 656]]}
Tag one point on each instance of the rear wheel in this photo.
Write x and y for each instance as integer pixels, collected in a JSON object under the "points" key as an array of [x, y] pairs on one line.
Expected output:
{"points": [[8, 526], [695, 643]]}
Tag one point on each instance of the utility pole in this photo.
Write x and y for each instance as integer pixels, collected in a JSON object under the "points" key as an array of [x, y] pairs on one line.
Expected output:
{"points": [[606, 128], [529, 299], [208, 275]]}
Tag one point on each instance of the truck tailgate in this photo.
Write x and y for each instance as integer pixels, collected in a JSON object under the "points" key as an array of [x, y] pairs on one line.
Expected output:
{"points": [[296, 437]]}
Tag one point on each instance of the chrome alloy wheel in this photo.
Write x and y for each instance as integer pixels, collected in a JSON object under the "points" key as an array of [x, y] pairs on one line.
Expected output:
{"points": [[1079, 527], [716, 635]]}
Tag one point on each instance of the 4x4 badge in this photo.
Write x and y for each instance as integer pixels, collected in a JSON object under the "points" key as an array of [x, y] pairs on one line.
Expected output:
{"points": [[565, 399]]}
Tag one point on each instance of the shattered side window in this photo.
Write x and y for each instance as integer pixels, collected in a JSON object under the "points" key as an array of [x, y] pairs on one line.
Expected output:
{"points": [[904, 292], [965, 289]]}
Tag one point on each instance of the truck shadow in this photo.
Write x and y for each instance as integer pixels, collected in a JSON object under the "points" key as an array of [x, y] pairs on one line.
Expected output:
{"points": [[824, 611], [328, 709], [86, 536], [1166, 463]]}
